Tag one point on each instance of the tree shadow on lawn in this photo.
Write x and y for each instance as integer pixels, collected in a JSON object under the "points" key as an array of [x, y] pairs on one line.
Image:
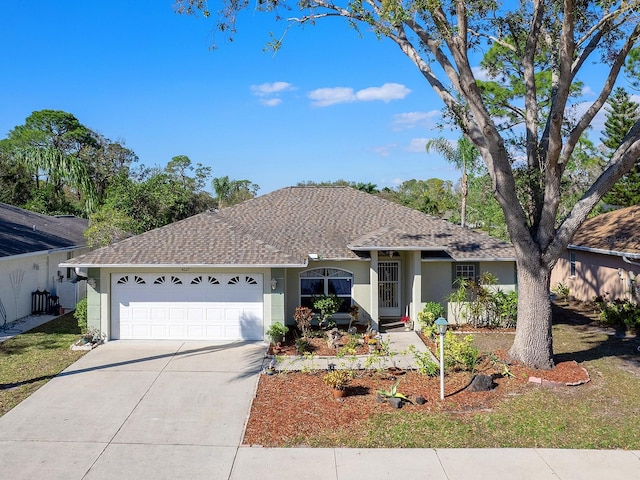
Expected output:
{"points": [[582, 319]]}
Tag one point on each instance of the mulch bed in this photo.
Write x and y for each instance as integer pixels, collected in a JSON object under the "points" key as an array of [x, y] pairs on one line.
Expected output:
{"points": [[319, 347], [290, 407]]}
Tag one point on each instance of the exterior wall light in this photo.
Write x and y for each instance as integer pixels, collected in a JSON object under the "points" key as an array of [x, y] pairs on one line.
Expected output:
{"points": [[274, 284], [442, 325]]}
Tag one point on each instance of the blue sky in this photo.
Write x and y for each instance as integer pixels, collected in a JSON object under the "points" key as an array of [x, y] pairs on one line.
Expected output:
{"points": [[328, 105]]}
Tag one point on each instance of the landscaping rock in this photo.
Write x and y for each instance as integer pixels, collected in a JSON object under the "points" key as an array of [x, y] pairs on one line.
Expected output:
{"points": [[481, 383], [395, 402], [420, 400]]}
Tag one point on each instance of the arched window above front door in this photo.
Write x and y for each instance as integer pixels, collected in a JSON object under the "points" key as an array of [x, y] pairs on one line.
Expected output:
{"points": [[326, 281]]}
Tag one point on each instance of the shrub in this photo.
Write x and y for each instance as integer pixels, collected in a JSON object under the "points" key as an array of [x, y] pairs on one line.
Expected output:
{"points": [[302, 317], [620, 313], [482, 306], [338, 379], [424, 362], [428, 315], [302, 345], [277, 331], [506, 308], [561, 290], [80, 314], [327, 305], [459, 353], [350, 348]]}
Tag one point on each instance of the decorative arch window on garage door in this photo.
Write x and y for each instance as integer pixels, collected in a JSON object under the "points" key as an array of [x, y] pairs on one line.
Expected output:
{"points": [[246, 279], [326, 281], [239, 280], [135, 279]]}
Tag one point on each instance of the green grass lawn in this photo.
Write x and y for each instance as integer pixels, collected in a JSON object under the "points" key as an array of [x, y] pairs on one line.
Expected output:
{"points": [[31, 359]]}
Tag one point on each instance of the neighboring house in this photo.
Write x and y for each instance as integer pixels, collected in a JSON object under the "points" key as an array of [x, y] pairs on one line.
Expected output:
{"points": [[603, 258], [228, 274], [31, 248]]}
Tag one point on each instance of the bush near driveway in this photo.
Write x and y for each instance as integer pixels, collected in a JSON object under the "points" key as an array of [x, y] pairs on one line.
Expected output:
{"points": [[31, 359]]}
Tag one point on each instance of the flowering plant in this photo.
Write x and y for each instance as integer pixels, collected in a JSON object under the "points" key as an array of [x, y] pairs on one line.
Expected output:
{"points": [[405, 319]]}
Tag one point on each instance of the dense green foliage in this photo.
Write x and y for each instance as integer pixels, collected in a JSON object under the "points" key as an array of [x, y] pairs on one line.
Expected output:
{"points": [[622, 113], [53, 164], [480, 303], [230, 192], [620, 313], [80, 314]]}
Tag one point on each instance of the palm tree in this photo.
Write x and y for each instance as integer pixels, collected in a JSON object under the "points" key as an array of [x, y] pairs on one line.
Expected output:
{"points": [[60, 169], [464, 157], [222, 187]]}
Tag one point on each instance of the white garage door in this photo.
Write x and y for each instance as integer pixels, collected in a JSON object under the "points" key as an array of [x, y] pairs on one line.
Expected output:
{"points": [[187, 306]]}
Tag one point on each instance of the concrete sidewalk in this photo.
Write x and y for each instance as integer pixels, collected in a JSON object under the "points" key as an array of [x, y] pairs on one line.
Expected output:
{"points": [[434, 464]]}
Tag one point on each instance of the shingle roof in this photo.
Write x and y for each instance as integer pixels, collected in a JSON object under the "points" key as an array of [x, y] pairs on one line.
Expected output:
{"points": [[286, 226], [22, 231], [615, 231]]}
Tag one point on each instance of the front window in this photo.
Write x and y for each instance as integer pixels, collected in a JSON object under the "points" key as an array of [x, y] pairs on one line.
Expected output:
{"points": [[572, 264], [466, 271], [326, 281]]}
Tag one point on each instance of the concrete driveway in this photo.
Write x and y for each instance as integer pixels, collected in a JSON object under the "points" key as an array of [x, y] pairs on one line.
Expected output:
{"points": [[161, 410]]}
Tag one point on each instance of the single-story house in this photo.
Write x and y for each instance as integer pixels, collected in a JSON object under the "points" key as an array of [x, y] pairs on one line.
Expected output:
{"points": [[229, 274], [603, 258], [31, 248]]}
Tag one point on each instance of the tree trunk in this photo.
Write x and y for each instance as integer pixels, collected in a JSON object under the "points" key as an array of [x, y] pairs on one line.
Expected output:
{"points": [[533, 343], [464, 193]]}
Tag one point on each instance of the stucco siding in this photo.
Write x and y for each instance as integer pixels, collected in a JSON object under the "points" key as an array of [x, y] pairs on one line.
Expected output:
{"points": [[436, 282], [505, 272], [597, 275]]}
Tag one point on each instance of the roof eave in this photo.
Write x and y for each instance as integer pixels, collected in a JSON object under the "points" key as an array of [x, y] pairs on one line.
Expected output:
{"points": [[603, 251], [469, 259], [185, 265], [378, 248], [42, 252]]}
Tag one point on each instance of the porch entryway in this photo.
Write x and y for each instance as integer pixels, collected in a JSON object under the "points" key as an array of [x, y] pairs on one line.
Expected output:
{"points": [[389, 308]]}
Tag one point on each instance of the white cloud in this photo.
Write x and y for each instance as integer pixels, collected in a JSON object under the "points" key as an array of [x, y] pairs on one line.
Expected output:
{"points": [[270, 102], [597, 124], [265, 89], [415, 119], [586, 90], [417, 145], [323, 97], [384, 150], [385, 93], [481, 74], [269, 93]]}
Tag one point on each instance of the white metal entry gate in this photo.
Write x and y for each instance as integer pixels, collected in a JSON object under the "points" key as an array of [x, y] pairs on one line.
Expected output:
{"points": [[389, 289]]}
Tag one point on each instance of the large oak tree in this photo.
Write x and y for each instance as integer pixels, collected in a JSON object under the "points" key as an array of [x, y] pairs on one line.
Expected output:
{"points": [[563, 38]]}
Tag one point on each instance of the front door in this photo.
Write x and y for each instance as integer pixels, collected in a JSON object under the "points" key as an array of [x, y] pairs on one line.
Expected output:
{"points": [[389, 289]]}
